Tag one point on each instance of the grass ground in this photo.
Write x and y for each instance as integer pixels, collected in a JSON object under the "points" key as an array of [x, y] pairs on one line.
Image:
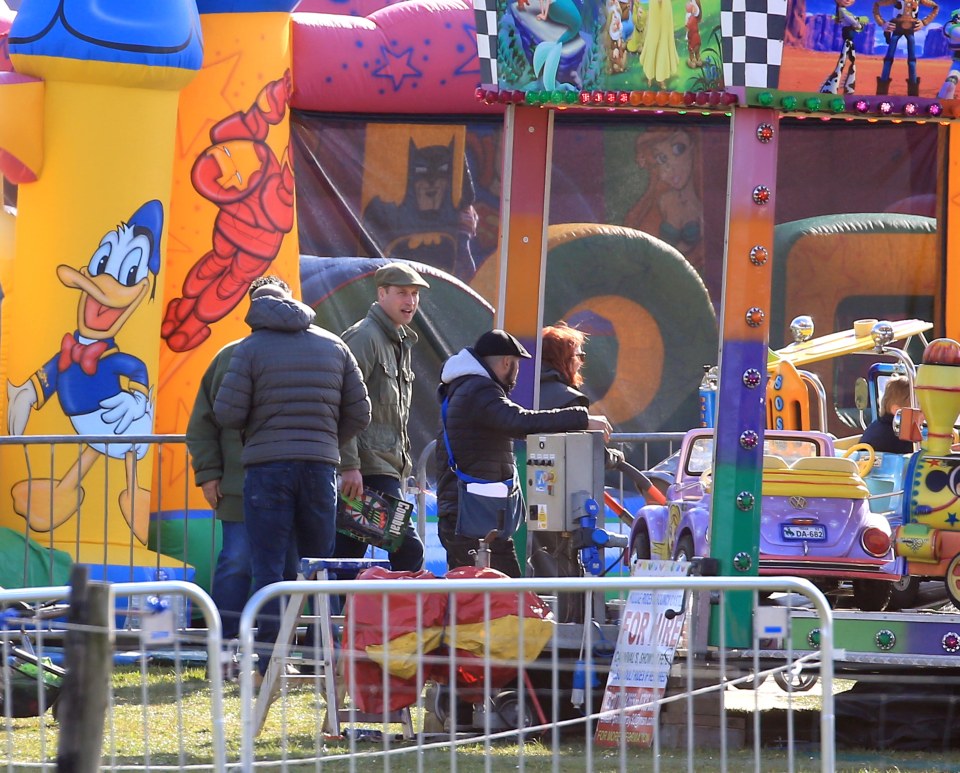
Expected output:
{"points": [[174, 730]]}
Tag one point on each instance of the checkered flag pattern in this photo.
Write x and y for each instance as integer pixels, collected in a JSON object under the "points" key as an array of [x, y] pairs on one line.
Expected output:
{"points": [[752, 33], [485, 12]]}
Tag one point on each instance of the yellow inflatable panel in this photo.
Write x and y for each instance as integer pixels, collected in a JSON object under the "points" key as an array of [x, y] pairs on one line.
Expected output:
{"points": [[788, 403]]}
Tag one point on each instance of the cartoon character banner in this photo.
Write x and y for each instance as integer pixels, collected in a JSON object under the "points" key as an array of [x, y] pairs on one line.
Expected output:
{"points": [[232, 219], [655, 45], [79, 351], [899, 47]]}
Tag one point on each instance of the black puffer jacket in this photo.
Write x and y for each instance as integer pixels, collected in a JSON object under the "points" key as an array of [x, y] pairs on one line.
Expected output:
{"points": [[557, 393], [482, 423], [294, 390]]}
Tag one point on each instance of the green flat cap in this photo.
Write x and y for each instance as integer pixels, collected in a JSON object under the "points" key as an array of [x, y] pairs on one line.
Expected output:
{"points": [[399, 274]]}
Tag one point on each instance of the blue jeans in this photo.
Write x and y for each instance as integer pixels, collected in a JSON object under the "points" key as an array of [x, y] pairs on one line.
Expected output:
{"points": [[408, 557], [289, 509], [892, 50], [232, 576]]}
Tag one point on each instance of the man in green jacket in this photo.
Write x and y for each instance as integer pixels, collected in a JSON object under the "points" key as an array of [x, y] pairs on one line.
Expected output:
{"points": [[379, 457]]}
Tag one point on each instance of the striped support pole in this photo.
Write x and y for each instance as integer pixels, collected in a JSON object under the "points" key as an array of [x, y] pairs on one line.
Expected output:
{"points": [[745, 315]]}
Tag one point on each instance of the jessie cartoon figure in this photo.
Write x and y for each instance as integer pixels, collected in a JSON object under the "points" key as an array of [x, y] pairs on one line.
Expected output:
{"points": [[850, 25]]}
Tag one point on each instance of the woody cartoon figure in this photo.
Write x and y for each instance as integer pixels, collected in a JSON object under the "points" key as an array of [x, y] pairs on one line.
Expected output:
{"points": [[905, 22]]}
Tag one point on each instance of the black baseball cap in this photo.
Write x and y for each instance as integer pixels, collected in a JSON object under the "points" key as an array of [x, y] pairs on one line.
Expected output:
{"points": [[499, 343]]}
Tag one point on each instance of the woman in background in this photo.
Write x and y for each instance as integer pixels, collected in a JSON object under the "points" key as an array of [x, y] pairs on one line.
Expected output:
{"points": [[562, 359], [553, 554]]}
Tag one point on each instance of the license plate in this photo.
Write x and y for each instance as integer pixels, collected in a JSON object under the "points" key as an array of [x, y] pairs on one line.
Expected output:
{"points": [[813, 532]]}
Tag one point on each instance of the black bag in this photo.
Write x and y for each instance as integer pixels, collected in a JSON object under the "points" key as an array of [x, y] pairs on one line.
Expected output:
{"points": [[478, 515]]}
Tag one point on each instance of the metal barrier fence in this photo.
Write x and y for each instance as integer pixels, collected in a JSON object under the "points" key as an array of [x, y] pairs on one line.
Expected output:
{"points": [[177, 540], [642, 449], [164, 711], [524, 704], [477, 676], [471, 673], [182, 540]]}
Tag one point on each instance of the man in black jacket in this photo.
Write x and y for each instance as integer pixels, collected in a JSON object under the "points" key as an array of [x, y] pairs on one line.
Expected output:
{"points": [[481, 425]]}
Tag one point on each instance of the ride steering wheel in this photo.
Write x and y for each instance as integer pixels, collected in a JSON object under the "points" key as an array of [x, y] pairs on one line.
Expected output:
{"points": [[865, 464]]}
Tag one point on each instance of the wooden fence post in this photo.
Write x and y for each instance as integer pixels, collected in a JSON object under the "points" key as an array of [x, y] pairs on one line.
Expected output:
{"points": [[88, 651]]}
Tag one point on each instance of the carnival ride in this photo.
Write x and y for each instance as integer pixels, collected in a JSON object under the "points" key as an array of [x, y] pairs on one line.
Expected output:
{"points": [[204, 131]]}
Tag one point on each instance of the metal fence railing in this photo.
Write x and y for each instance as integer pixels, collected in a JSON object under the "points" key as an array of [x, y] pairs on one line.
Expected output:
{"points": [[472, 673], [165, 709], [182, 537]]}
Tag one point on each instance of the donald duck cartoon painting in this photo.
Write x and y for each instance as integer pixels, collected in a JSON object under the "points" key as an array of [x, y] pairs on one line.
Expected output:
{"points": [[102, 391]]}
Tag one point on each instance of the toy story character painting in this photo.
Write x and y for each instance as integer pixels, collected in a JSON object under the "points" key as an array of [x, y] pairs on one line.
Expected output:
{"points": [[850, 26], [951, 31], [101, 389], [852, 46], [904, 23]]}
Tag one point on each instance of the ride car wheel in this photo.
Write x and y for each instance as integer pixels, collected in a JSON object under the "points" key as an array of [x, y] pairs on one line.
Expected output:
{"points": [[751, 684], [507, 706], [952, 580], [795, 680], [872, 595], [641, 544], [905, 592], [684, 549]]}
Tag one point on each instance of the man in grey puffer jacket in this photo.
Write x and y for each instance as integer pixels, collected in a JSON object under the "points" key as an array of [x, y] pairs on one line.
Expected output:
{"points": [[296, 393]]}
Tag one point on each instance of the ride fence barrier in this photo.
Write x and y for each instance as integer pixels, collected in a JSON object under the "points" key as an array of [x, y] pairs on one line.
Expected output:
{"points": [[183, 540], [471, 672], [164, 710], [171, 541]]}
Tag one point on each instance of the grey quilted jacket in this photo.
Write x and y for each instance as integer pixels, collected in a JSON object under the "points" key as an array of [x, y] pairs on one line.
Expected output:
{"points": [[293, 390]]}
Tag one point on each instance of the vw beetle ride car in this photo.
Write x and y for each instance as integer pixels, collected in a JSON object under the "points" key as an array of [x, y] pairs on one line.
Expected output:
{"points": [[815, 520]]}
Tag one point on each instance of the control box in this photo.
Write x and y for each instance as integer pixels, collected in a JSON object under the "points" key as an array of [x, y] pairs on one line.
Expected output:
{"points": [[564, 471]]}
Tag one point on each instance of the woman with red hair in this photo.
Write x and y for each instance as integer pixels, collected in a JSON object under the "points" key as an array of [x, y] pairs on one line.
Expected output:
{"points": [[554, 554], [562, 358]]}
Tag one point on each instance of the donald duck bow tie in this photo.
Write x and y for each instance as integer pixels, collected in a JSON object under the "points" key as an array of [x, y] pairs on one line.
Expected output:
{"points": [[85, 355]]}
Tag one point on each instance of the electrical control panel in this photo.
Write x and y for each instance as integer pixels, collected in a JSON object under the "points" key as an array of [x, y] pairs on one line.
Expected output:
{"points": [[564, 471]]}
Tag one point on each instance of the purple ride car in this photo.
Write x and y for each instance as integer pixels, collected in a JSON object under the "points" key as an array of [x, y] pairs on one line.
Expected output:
{"points": [[815, 519]]}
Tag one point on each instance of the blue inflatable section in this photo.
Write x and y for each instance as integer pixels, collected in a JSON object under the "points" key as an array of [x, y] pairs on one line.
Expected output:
{"points": [[161, 33]]}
